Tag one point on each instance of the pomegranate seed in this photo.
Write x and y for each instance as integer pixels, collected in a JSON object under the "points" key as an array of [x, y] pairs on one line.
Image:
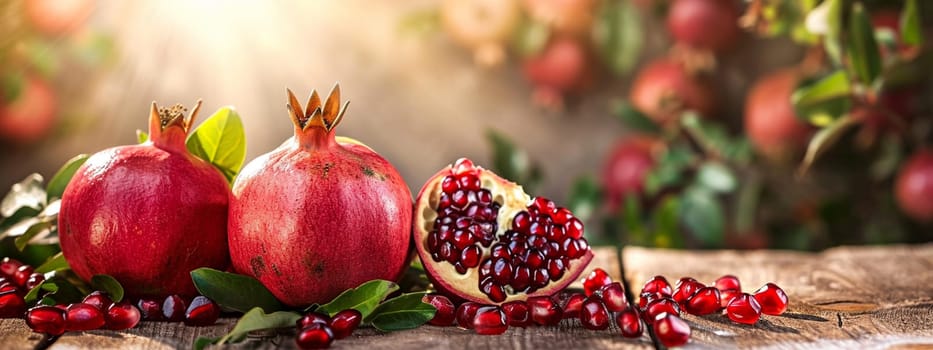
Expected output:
{"points": [[469, 182], [613, 295], [444, 316], [728, 282], [173, 308], [46, 319], [312, 318], [573, 305], [151, 310], [704, 302], [671, 330], [345, 322], [629, 323], [596, 279], [99, 299], [744, 309], [659, 306], [772, 299], [725, 296], [594, 315], [684, 290], [315, 336], [8, 267], [521, 222], [465, 314], [22, 274], [658, 284], [12, 305], [544, 311], [516, 313], [449, 184], [34, 280], [83, 317], [122, 315], [8, 287], [490, 320], [574, 228], [645, 298], [202, 312]]}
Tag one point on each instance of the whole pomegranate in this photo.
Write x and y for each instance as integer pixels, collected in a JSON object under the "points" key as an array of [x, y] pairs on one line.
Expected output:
{"points": [[482, 239], [30, 116], [913, 188], [665, 88], [484, 26], [704, 24], [53, 17], [561, 68], [147, 214], [320, 214], [625, 169], [566, 17], [770, 120]]}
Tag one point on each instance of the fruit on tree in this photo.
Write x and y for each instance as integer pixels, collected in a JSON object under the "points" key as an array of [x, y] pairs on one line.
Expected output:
{"points": [[483, 26], [771, 122], [566, 17], [665, 88], [55, 17], [30, 116], [913, 188], [704, 24], [561, 68], [626, 168]]}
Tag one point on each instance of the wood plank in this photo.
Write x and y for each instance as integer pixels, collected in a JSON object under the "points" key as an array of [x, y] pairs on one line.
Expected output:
{"points": [[14, 335], [850, 297]]}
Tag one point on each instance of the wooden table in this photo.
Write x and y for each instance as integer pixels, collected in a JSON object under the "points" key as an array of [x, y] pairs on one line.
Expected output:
{"points": [[848, 297]]}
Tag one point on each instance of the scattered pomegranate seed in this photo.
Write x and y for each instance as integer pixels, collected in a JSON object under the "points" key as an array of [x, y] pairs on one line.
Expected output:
{"points": [[465, 314], [122, 315], [490, 320], [444, 316], [594, 315], [658, 284], [83, 317], [659, 306], [46, 319], [544, 311], [772, 299], [312, 318], [684, 290], [151, 310], [613, 295], [744, 309], [99, 299], [725, 296], [629, 323], [596, 279], [315, 336], [345, 322], [34, 280], [8, 267], [704, 302], [728, 282], [645, 298], [201, 312], [516, 313], [22, 274], [7, 286], [573, 306], [173, 308], [671, 330], [11, 305]]}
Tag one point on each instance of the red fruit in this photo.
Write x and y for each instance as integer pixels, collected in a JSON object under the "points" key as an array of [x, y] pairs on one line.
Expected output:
{"points": [[321, 213], [484, 26], [98, 299], [664, 88], [490, 320], [8, 267], [913, 187], [645, 298], [704, 302], [629, 323], [671, 330], [573, 305], [892, 110], [613, 295], [704, 24], [56, 17], [345, 322], [594, 315], [202, 312], [626, 168], [312, 318], [30, 117], [572, 17], [482, 239], [728, 282], [744, 309], [684, 289], [83, 317], [771, 122], [122, 315], [34, 280], [150, 249], [595, 280], [561, 68], [7, 286], [544, 311], [658, 284], [772, 299], [465, 314], [315, 336], [22, 275], [151, 310], [726, 296], [173, 308], [516, 312], [46, 319], [659, 306], [445, 310], [11, 305]]}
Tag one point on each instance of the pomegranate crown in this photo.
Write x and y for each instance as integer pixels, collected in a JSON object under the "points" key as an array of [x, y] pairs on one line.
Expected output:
{"points": [[316, 115], [168, 127]]}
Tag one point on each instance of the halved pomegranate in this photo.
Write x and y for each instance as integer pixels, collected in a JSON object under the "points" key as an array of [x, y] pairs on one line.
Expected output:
{"points": [[481, 238]]}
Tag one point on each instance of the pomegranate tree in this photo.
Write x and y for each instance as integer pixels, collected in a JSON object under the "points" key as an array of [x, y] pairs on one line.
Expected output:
{"points": [[704, 24], [567, 17], [626, 168], [484, 26], [482, 239], [770, 120], [665, 88], [320, 214], [561, 68], [30, 116], [147, 214], [914, 186]]}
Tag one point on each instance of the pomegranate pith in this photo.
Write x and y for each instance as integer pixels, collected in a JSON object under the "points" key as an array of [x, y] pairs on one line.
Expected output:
{"points": [[482, 239]]}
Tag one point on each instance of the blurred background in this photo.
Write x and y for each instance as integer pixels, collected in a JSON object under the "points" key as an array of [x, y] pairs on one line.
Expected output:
{"points": [[686, 123]]}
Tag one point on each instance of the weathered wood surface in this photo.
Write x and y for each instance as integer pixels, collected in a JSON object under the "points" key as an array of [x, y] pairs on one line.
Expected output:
{"points": [[852, 297]]}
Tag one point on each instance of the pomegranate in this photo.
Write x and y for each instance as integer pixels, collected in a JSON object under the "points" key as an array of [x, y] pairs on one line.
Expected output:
{"points": [[569, 17], [55, 17], [629, 323], [913, 187], [705, 301], [202, 312], [466, 312], [99, 300], [626, 168], [544, 311], [31, 115], [665, 88], [613, 295], [770, 120], [151, 310], [684, 289], [516, 312], [704, 24], [173, 308], [321, 213], [46, 319], [482, 239], [561, 68], [12, 304], [594, 315], [658, 284], [484, 26], [312, 318], [573, 305], [83, 317]]}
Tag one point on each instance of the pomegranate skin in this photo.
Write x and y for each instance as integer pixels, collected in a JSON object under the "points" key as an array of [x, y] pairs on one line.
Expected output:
{"points": [[146, 214], [704, 24], [913, 188], [319, 215], [664, 88], [770, 119], [626, 168]]}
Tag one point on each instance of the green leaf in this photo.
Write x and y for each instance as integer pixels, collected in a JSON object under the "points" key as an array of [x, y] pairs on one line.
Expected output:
{"points": [[56, 262], [255, 320], [666, 224], [911, 28], [142, 136], [364, 298], [863, 50], [669, 169], [826, 19], [406, 311], [821, 101], [585, 198], [221, 141], [18, 216], [825, 138], [713, 138], [61, 178], [635, 119], [511, 162], [530, 37], [888, 159], [59, 286], [27, 193], [203, 342], [237, 292], [618, 35], [717, 177], [702, 213], [33, 231], [108, 284]]}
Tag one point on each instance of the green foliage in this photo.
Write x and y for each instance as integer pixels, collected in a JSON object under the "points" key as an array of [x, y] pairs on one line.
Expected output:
{"points": [[513, 163], [221, 141], [233, 291], [618, 35]]}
